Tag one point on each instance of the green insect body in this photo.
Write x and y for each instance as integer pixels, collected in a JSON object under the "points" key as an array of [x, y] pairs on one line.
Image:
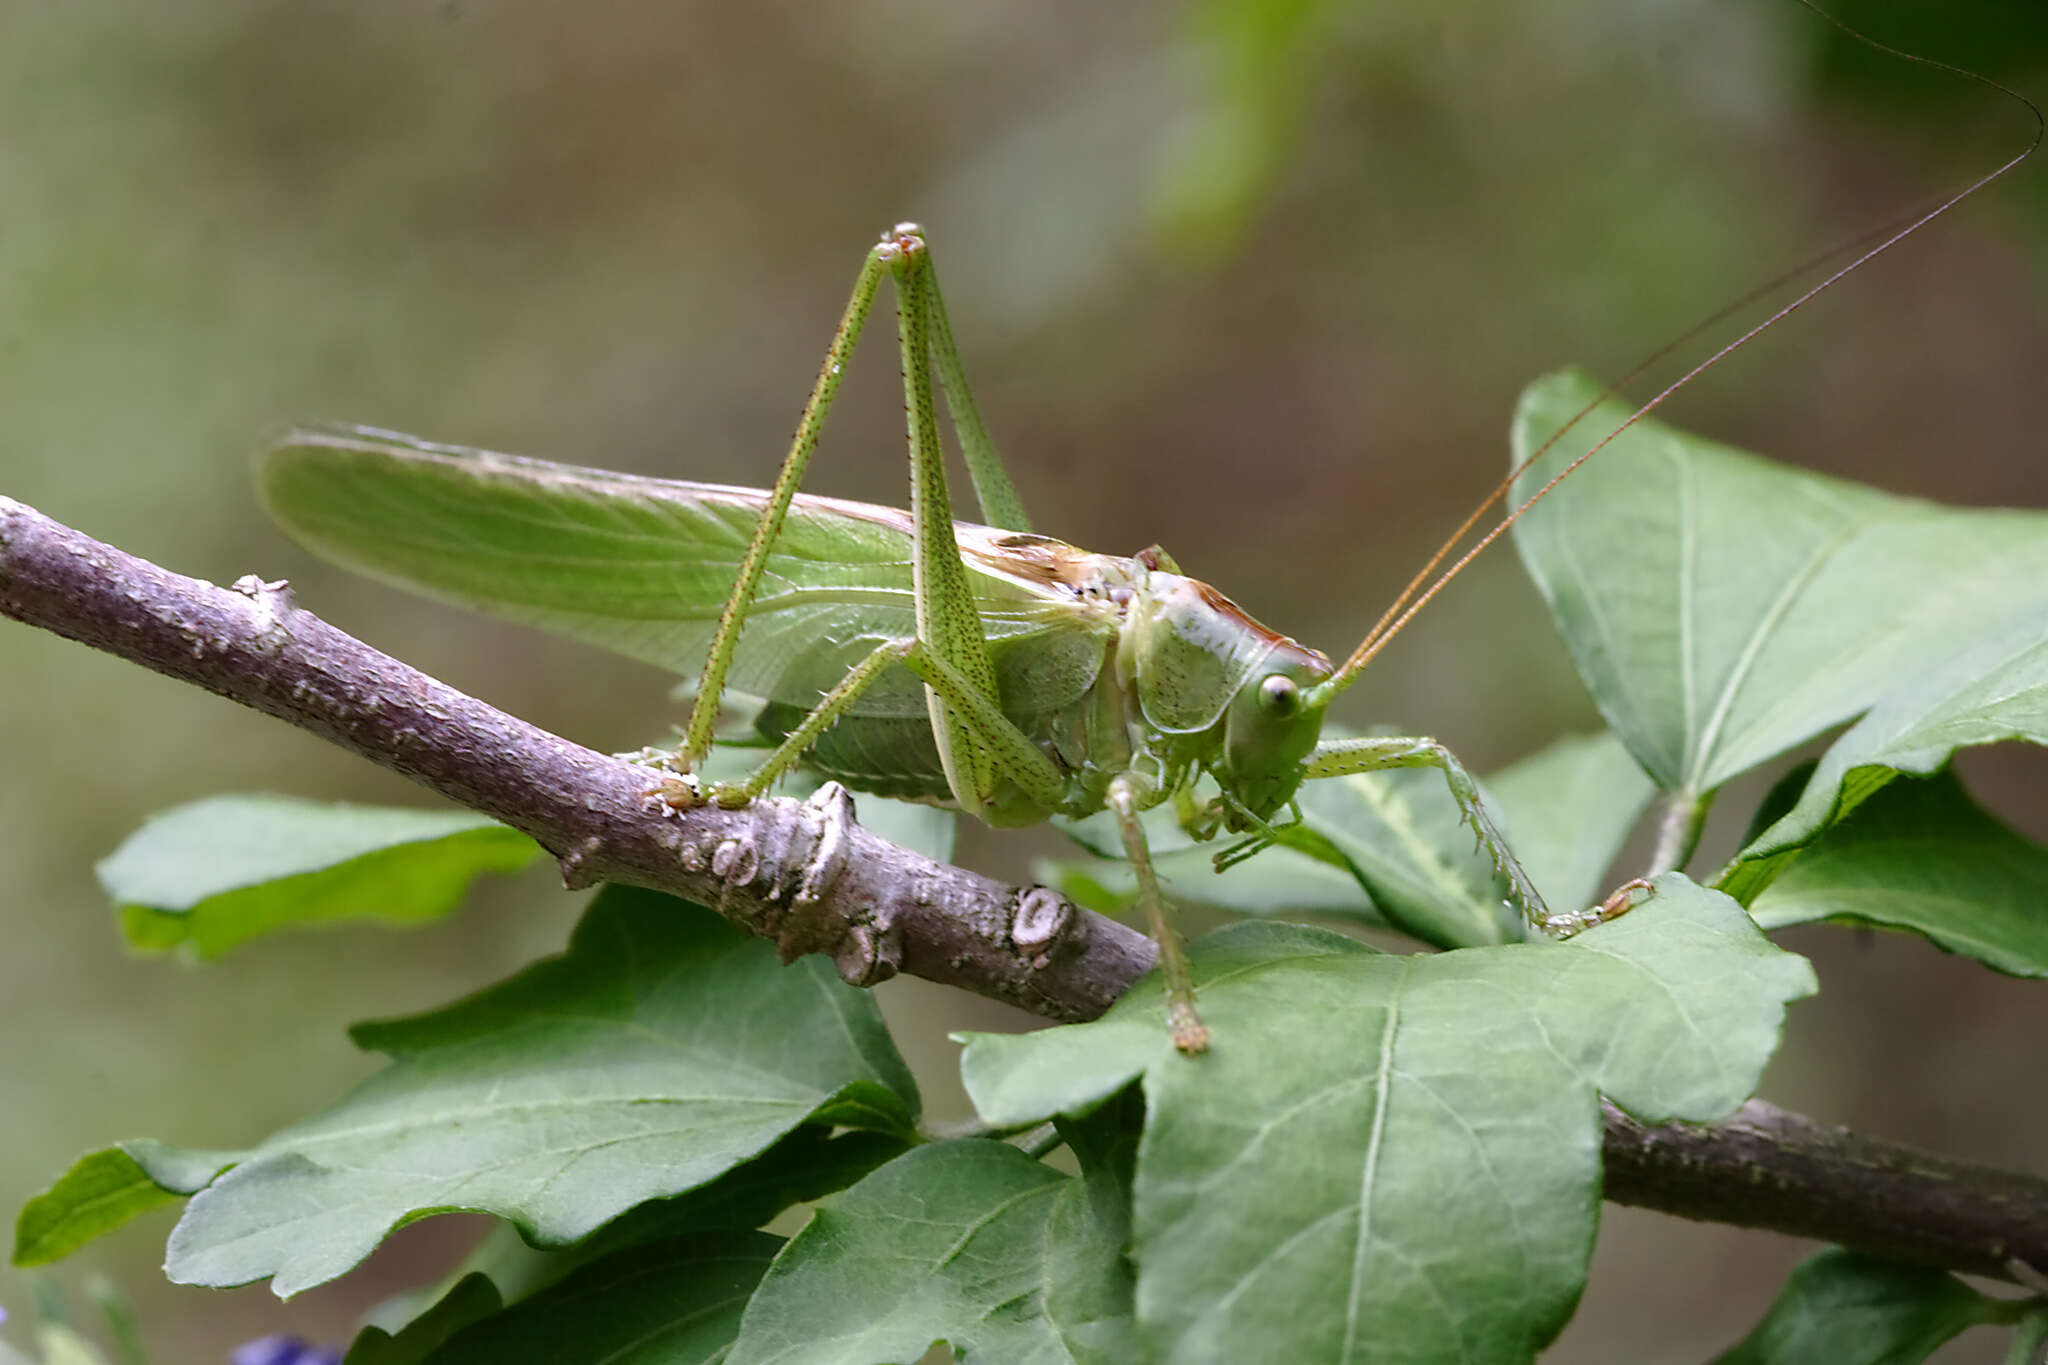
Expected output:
{"points": [[985, 667], [1109, 664]]}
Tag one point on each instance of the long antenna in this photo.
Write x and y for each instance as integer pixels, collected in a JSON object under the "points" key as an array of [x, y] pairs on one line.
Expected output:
{"points": [[1404, 610], [1752, 295]]}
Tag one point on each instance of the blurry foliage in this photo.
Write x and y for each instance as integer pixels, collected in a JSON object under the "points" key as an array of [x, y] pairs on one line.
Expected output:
{"points": [[1216, 172], [1263, 64]]}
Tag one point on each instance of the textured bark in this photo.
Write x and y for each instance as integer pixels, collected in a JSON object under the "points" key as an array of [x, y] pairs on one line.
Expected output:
{"points": [[1764, 1167]]}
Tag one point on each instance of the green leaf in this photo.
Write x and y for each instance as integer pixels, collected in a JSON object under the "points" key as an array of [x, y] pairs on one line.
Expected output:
{"points": [[1850, 1309], [662, 1050], [673, 1303], [1723, 609], [1777, 802], [972, 1243], [105, 1189], [802, 1168], [1994, 691], [206, 877], [1923, 856], [805, 1166], [1398, 835], [473, 1299], [1415, 1139]]}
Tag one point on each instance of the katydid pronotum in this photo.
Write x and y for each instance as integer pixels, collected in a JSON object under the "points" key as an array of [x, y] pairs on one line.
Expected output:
{"points": [[981, 666]]}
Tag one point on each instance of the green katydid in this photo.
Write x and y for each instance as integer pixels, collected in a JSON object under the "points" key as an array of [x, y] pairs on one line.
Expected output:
{"points": [[981, 666], [985, 667]]}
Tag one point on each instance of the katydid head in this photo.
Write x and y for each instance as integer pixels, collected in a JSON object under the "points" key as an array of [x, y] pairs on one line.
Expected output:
{"points": [[1273, 722]]}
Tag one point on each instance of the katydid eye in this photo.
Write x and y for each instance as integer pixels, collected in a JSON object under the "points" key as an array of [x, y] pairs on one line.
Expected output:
{"points": [[1278, 696]]}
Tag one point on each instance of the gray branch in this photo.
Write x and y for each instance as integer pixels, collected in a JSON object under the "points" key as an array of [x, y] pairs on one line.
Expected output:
{"points": [[803, 874], [1764, 1167]]}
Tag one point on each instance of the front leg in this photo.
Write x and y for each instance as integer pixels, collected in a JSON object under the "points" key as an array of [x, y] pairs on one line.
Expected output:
{"points": [[1338, 757], [1190, 1034]]}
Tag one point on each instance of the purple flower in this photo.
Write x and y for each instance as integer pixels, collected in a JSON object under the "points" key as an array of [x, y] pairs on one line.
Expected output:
{"points": [[283, 1350]]}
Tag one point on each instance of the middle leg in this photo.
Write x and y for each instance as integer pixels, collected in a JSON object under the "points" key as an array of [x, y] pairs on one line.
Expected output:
{"points": [[1339, 757]]}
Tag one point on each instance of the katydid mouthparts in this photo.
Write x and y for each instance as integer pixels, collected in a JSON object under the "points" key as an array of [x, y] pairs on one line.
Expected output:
{"points": [[980, 666]]}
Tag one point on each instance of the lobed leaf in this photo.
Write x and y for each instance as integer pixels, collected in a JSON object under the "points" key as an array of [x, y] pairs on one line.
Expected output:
{"points": [[206, 877], [1417, 1136], [662, 1050], [1748, 606]]}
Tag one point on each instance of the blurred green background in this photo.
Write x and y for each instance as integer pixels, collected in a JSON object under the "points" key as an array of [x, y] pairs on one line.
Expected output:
{"points": [[1258, 282]]}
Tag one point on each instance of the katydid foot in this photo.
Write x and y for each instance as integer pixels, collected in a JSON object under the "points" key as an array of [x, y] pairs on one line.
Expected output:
{"points": [[1619, 902]]}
